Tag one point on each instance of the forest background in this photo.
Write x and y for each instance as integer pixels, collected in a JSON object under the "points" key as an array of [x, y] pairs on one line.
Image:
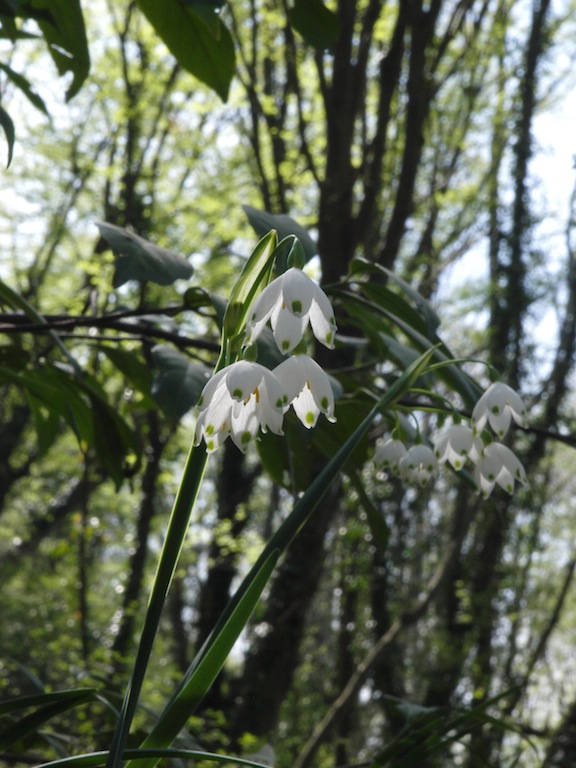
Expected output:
{"points": [[404, 626]]}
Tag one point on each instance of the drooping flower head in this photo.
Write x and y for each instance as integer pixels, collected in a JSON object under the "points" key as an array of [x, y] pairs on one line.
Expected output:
{"points": [[498, 465], [238, 401], [307, 389], [418, 464], [290, 302], [456, 445], [388, 455], [498, 406]]}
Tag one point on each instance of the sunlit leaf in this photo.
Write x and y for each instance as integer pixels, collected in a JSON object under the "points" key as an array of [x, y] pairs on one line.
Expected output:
{"points": [[138, 259], [204, 50], [178, 381], [262, 222], [65, 35], [317, 24], [8, 128], [24, 85]]}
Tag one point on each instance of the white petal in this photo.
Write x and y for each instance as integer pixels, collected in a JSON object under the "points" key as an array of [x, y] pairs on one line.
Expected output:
{"points": [[319, 383], [388, 454], [291, 377], [297, 291], [500, 421], [245, 425], [210, 388], [305, 407], [266, 301], [322, 323], [243, 378], [483, 484], [262, 309], [288, 330]]}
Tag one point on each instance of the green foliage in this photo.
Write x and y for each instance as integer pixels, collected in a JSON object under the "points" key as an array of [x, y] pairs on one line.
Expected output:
{"points": [[262, 222], [397, 146], [138, 259], [178, 381], [317, 24], [197, 38], [8, 128]]}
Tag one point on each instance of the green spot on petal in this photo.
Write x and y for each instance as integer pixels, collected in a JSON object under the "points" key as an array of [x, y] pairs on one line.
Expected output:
{"points": [[297, 307], [210, 445], [246, 437], [324, 403], [210, 429], [237, 393], [310, 417], [285, 346]]}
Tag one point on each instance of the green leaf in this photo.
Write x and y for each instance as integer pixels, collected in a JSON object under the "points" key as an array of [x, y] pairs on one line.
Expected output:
{"points": [[173, 543], [56, 392], [65, 35], [46, 423], [203, 673], [9, 706], [138, 259], [254, 274], [262, 222], [206, 51], [13, 356], [318, 25], [178, 381], [131, 366], [24, 85], [50, 705], [9, 132], [204, 667], [97, 759]]}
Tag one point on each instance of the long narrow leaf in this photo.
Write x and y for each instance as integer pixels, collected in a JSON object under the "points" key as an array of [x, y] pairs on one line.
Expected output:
{"points": [[9, 706], [181, 705], [98, 759], [13, 732], [175, 536], [188, 697]]}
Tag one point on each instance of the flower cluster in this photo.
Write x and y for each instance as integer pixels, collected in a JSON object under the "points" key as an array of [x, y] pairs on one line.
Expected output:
{"points": [[494, 463], [245, 396]]}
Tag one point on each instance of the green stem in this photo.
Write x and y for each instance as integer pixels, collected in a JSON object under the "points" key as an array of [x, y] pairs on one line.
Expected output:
{"points": [[175, 536]]}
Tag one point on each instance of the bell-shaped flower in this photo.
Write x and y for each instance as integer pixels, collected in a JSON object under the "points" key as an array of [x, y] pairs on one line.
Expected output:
{"points": [[307, 388], [236, 402], [418, 464], [387, 455], [498, 406], [498, 465], [458, 444], [290, 302]]}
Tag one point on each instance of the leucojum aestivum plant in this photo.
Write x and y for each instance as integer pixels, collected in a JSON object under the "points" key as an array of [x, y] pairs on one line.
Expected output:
{"points": [[244, 398]]}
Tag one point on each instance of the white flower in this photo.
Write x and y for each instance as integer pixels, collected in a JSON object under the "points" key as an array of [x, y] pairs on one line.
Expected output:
{"points": [[498, 405], [289, 302], [456, 445], [237, 401], [418, 464], [498, 464], [307, 388], [388, 455]]}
